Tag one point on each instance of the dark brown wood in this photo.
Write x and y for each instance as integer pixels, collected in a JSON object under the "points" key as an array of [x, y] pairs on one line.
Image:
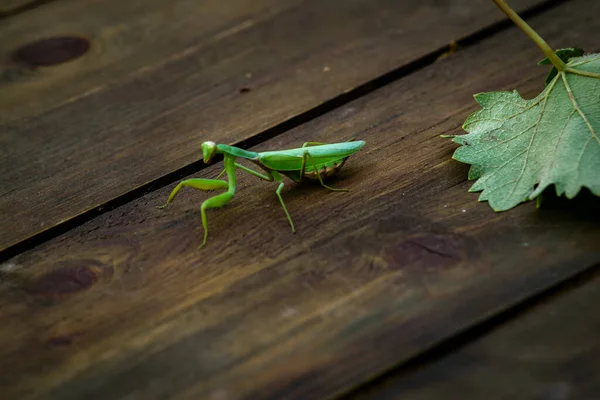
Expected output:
{"points": [[161, 77], [126, 307], [552, 352], [9, 6]]}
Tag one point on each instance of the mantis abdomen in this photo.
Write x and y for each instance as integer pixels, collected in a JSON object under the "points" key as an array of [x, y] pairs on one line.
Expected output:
{"points": [[326, 171]]}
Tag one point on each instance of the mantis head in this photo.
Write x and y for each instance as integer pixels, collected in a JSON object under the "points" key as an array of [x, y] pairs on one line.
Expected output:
{"points": [[208, 151]]}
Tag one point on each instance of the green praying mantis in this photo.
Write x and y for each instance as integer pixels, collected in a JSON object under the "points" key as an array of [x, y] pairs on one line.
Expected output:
{"points": [[314, 161]]}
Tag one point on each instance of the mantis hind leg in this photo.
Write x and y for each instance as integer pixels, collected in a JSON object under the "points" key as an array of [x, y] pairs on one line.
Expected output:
{"points": [[308, 144], [279, 180], [304, 157]]}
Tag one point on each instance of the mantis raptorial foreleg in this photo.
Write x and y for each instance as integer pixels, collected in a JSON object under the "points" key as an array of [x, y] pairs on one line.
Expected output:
{"points": [[221, 199], [210, 184], [196, 183], [214, 202]]}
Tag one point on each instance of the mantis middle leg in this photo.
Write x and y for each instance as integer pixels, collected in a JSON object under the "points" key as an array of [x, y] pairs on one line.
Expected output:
{"points": [[273, 175], [253, 172], [250, 171]]}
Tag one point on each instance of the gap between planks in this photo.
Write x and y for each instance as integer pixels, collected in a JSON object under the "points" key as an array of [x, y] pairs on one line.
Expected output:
{"points": [[21, 6], [460, 339]]}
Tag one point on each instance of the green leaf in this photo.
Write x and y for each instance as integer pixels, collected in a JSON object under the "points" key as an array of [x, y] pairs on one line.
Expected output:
{"points": [[519, 147], [563, 54]]}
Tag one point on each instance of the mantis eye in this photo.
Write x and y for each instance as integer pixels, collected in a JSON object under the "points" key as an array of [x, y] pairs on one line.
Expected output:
{"points": [[208, 151]]}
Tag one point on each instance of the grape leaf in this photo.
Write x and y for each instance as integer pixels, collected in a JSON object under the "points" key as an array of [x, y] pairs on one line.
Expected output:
{"points": [[517, 147], [563, 54]]}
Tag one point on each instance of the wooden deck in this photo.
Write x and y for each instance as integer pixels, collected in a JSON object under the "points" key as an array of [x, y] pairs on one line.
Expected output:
{"points": [[405, 287]]}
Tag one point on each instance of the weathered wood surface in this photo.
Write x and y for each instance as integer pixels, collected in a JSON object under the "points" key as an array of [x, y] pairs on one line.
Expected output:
{"points": [[552, 352], [126, 306], [161, 77], [10, 6]]}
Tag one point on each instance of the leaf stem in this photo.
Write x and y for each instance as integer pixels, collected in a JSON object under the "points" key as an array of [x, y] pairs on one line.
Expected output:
{"points": [[583, 73], [541, 43]]}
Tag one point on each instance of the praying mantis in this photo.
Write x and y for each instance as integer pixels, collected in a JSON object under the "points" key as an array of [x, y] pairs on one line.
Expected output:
{"points": [[314, 161]]}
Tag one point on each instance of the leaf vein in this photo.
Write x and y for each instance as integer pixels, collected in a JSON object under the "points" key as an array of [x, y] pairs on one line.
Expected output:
{"points": [[572, 97], [537, 124]]}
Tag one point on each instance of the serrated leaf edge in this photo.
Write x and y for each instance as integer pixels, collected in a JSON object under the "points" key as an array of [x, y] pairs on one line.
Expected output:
{"points": [[537, 190]]}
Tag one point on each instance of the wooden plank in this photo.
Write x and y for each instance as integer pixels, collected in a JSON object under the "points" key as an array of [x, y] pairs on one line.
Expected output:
{"points": [[10, 6], [127, 38], [125, 306], [161, 77], [552, 352]]}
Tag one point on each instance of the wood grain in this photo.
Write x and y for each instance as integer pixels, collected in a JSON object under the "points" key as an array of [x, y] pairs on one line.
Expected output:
{"points": [[126, 307], [9, 6], [161, 77], [128, 39], [552, 352]]}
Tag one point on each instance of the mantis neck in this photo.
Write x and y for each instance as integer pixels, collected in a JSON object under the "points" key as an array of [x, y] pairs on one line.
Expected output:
{"points": [[229, 161], [237, 152]]}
